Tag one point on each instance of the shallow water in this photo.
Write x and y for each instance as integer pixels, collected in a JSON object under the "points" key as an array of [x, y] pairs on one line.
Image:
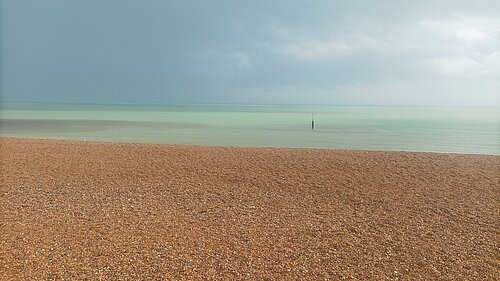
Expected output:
{"points": [[438, 129]]}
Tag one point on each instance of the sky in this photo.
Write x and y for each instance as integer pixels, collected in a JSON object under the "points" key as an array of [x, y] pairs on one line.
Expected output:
{"points": [[357, 52]]}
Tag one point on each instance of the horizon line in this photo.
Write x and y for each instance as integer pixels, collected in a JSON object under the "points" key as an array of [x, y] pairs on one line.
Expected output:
{"points": [[238, 104]]}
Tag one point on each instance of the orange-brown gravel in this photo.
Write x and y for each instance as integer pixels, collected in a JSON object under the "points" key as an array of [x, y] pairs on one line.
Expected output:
{"points": [[88, 210]]}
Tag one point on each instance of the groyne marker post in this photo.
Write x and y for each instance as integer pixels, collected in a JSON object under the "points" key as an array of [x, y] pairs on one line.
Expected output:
{"points": [[312, 122]]}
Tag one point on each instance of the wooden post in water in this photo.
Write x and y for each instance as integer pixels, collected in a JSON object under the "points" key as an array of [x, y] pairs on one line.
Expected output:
{"points": [[312, 122]]}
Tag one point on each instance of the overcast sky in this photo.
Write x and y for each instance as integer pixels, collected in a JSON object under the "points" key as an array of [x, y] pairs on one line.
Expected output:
{"points": [[254, 52]]}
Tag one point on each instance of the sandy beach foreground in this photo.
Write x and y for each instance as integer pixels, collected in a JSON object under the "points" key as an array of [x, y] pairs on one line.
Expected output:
{"points": [[88, 210]]}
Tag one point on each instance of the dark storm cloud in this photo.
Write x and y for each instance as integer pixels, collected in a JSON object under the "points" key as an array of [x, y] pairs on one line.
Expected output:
{"points": [[321, 52]]}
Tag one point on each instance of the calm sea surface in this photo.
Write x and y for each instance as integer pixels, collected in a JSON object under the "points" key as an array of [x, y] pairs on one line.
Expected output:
{"points": [[439, 129]]}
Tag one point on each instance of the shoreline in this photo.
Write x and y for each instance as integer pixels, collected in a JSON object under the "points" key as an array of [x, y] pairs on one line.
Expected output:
{"points": [[238, 147], [89, 210]]}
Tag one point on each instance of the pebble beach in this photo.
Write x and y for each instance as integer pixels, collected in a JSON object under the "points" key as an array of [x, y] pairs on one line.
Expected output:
{"points": [[75, 210]]}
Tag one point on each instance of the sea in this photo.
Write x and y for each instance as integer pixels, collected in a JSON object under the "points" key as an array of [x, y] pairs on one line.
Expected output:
{"points": [[470, 130]]}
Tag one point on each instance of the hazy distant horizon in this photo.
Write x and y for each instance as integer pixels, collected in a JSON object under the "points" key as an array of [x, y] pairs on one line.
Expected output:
{"points": [[244, 104]]}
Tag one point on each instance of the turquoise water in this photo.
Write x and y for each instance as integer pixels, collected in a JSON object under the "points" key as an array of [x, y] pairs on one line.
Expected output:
{"points": [[438, 129]]}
